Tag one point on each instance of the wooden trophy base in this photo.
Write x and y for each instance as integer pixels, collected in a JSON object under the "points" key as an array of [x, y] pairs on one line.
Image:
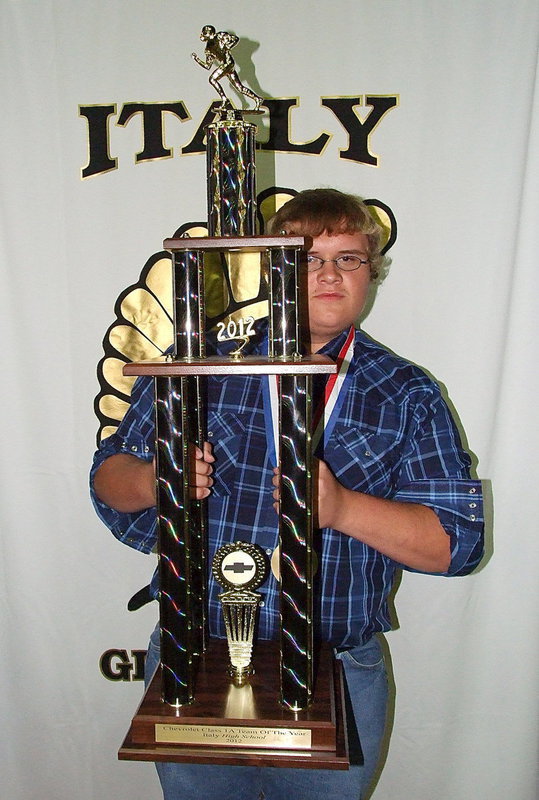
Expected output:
{"points": [[244, 725]]}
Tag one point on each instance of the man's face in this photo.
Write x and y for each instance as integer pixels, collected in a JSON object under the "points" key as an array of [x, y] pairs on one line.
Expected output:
{"points": [[336, 298]]}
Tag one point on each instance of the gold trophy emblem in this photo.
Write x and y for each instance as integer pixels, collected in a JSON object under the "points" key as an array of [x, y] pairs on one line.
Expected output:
{"points": [[239, 568]]}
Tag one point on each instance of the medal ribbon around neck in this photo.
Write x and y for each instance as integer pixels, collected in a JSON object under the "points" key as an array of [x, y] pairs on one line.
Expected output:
{"points": [[328, 409]]}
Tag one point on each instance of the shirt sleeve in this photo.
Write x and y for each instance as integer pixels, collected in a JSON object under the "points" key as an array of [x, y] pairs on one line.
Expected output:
{"points": [[436, 473], [135, 436]]}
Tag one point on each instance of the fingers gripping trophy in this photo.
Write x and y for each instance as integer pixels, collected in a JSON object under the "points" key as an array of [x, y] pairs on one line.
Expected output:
{"points": [[288, 713]]}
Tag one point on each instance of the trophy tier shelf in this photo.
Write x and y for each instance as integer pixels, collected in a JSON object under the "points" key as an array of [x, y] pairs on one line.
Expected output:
{"points": [[225, 365], [247, 244]]}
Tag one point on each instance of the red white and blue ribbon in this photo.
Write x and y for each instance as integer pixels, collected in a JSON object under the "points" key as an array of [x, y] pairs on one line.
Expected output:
{"points": [[327, 412], [270, 393]]}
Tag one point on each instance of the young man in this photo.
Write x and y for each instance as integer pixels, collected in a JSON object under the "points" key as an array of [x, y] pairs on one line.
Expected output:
{"points": [[393, 490]]}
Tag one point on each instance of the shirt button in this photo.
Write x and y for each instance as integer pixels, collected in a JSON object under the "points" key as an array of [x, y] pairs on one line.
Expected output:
{"points": [[146, 449], [472, 517], [473, 505], [210, 434], [134, 448], [268, 551], [472, 491]]}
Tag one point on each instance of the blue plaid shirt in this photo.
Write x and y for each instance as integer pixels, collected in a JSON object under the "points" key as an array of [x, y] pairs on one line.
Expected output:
{"points": [[394, 438]]}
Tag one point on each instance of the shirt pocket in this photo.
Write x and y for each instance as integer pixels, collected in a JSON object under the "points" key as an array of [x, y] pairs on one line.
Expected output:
{"points": [[363, 460], [227, 434]]}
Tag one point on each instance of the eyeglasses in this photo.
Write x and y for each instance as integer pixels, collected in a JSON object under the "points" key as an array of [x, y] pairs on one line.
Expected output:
{"points": [[344, 263]]}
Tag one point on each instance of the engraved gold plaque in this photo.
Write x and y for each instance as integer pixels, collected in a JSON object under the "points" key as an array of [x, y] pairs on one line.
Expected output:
{"points": [[234, 736]]}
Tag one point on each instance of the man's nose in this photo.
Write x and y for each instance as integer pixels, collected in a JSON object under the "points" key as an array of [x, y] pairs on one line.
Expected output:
{"points": [[329, 271]]}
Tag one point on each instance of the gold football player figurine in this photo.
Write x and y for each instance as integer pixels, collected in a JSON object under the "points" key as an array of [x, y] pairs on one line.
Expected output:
{"points": [[217, 52]]}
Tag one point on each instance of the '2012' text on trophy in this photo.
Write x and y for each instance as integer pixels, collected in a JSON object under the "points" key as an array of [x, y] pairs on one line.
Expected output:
{"points": [[202, 705]]}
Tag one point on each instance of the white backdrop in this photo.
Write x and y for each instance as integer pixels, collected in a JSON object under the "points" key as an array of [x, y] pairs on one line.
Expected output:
{"points": [[458, 164]]}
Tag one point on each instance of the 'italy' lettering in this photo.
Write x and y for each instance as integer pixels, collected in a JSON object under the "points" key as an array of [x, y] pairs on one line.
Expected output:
{"points": [[280, 138]]}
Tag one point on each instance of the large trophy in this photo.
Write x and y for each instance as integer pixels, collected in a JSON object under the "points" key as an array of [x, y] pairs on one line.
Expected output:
{"points": [[240, 701]]}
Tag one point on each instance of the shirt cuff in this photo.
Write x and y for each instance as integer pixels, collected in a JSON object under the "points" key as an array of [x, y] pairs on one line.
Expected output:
{"points": [[137, 529], [458, 504]]}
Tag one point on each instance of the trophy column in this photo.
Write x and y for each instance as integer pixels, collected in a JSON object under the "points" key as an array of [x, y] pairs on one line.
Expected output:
{"points": [[230, 159], [181, 520], [295, 518]]}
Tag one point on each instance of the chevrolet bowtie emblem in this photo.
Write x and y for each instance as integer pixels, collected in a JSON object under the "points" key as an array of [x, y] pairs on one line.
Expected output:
{"points": [[239, 567]]}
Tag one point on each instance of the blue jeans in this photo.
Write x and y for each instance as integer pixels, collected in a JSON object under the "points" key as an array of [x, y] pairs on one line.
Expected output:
{"points": [[366, 679]]}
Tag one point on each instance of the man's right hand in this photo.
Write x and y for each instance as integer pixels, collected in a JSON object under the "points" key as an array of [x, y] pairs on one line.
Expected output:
{"points": [[127, 483], [201, 475]]}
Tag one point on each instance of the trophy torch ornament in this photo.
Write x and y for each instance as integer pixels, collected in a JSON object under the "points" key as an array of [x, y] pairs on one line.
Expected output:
{"points": [[239, 568]]}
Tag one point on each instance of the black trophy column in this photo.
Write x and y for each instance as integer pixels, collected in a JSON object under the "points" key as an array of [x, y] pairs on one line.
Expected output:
{"points": [[230, 156], [295, 535], [180, 424]]}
